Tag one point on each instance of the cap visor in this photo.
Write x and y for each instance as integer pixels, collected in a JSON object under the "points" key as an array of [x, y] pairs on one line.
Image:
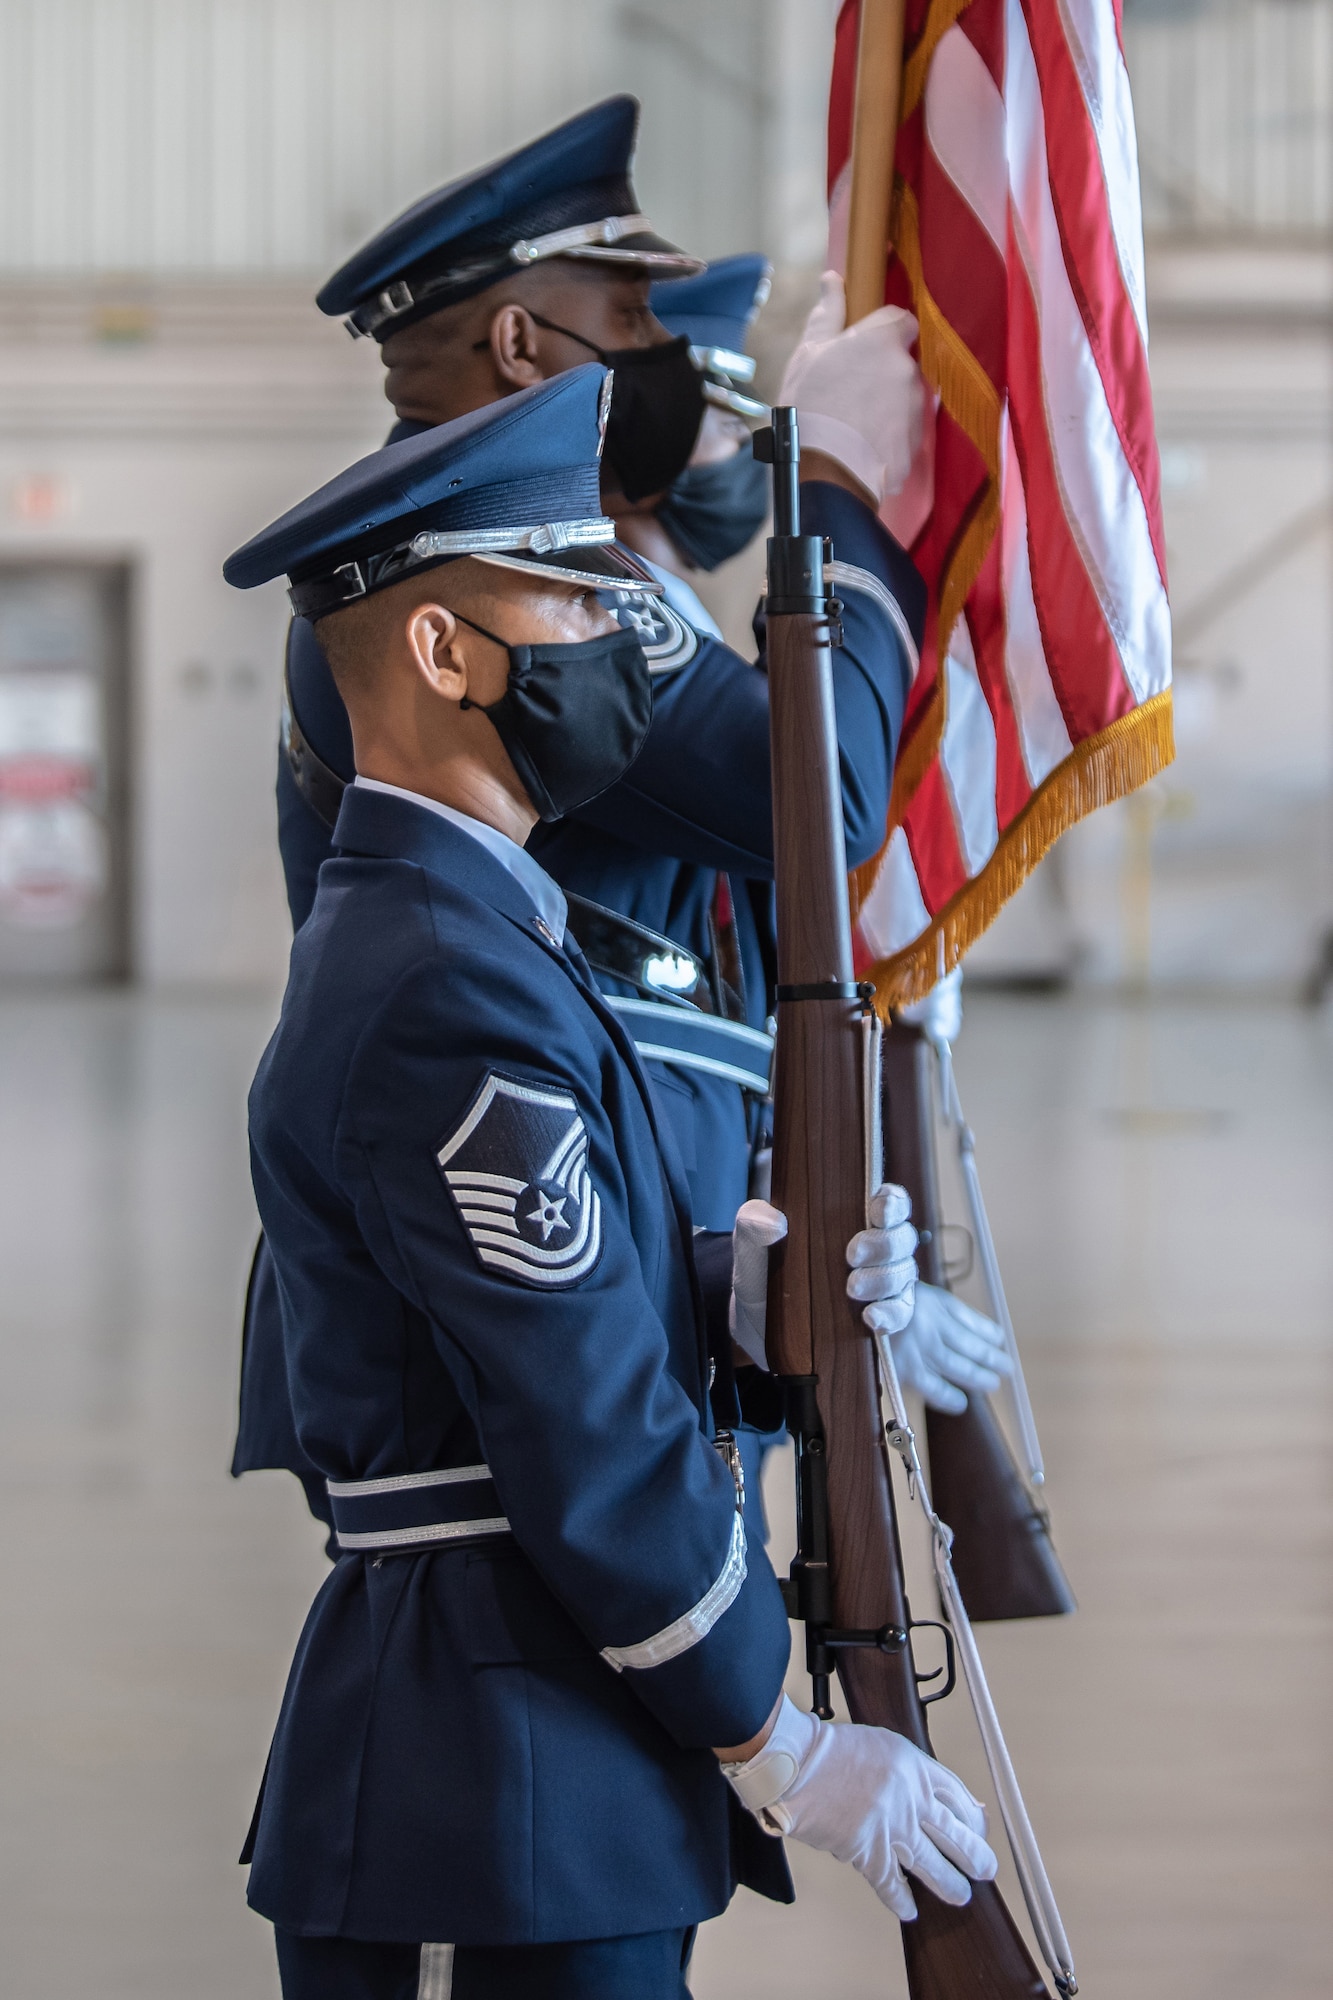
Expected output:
{"points": [[606, 566], [647, 250]]}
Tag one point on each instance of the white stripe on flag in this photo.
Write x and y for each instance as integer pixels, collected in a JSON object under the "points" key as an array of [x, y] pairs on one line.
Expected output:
{"points": [[967, 753], [965, 126], [1100, 495], [1041, 726], [839, 213], [1089, 31], [894, 914]]}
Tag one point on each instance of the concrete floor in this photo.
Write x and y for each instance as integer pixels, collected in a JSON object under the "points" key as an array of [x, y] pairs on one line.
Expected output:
{"points": [[1161, 1182]]}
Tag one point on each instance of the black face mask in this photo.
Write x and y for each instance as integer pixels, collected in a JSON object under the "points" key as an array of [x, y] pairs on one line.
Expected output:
{"points": [[657, 406], [713, 511], [573, 717]]}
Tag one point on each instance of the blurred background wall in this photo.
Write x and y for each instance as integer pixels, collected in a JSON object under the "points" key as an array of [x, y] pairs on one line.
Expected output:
{"points": [[176, 176], [1219, 874]]}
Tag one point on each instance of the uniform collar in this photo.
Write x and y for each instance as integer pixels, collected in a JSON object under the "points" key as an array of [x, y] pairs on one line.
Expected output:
{"points": [[546, 898], [394, 826]]}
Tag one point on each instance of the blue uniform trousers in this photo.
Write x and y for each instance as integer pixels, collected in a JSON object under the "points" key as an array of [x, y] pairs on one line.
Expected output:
{"points": [[649, 1967]]}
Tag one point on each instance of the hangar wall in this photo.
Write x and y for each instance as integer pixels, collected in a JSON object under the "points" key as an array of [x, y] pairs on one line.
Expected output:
{"points": [[175, 175]]}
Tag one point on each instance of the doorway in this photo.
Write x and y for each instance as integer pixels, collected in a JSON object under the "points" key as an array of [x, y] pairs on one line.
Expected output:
{"points": [[63, 772]]}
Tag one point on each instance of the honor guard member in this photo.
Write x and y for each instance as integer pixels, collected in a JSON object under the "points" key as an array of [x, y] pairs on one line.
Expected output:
{"points": [[527, 268], [497, 281], [719, 503], [542, 1684]]}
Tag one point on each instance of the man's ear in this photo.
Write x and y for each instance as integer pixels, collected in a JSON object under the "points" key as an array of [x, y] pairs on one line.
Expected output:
{"points": [[514, 347], [433, 647]]}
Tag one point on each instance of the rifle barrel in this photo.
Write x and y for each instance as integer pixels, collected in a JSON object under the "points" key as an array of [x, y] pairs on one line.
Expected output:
{"points": [[850, 1591]]}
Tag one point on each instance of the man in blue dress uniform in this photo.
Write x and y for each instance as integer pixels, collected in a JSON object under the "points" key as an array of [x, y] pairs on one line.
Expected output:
{"points": [[508, 277], [718, 504], [505, 278], [536, 1707]]}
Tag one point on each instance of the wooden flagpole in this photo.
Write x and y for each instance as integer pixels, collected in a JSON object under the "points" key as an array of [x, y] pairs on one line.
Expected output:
{"points": [[879, 75]]}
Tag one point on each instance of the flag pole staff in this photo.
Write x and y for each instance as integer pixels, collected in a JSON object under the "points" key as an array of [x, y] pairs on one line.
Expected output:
{"points": [[879, 76]]}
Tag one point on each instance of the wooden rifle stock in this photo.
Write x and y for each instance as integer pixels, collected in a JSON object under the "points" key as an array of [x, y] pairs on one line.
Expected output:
{"points": [[1003, 1556], [847, 1578]]}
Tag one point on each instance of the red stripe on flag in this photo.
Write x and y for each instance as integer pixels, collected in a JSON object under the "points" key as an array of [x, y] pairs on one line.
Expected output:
{"points": [[961, 481], [1078, 193], [932, 841], [983, 24], [842, 90], [1081, 657], [964, 271], [987, 625]]}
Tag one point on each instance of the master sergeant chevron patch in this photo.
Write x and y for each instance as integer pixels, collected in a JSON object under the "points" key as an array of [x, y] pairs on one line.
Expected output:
{"points": [[517, 1169]]}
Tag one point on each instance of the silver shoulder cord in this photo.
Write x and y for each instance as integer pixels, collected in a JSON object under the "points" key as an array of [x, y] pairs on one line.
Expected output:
{"points": [[952, 1110], [1037, 1891]]}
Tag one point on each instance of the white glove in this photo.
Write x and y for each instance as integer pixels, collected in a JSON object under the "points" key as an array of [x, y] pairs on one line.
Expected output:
{"points": [[868, 1796], [946, 1347], [758, 1227], [883, 1267], [941, 1012], [858, 392]]}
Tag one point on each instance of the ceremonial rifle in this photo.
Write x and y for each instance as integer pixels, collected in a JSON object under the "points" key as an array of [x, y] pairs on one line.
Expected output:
{"points": [[1005, 1561], [846, 1580], [1002, 1553]]}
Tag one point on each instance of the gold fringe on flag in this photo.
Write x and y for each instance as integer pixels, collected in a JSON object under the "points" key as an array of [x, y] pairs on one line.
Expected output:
{"points": [[939, 20], [947, 362], [973, 401], [917, 751], [1103, 768], [914, 759]]}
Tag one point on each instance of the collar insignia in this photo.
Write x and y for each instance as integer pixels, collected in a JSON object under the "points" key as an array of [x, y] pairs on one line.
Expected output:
{"points": [[668, 642]]}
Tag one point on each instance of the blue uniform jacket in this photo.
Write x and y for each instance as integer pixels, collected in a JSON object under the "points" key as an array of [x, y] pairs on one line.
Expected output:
{"points": [[454, 1757], [697, 801]]}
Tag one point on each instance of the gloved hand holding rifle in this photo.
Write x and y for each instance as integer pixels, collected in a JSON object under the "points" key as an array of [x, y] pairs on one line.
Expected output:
{"points": [[941, 1347], [861, 1793], [868, 1791]]}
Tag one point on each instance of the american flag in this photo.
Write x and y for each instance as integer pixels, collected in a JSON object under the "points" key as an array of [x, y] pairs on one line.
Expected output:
{"points": [[1033, 509]]}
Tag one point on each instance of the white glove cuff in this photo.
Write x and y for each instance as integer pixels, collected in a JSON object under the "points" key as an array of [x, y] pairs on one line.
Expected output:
{"points": [[747, 1336], [762, 1780], [846, 444]]}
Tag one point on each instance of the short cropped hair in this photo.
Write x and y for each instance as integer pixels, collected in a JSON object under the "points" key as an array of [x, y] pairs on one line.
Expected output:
{"points": [[356, 637]]}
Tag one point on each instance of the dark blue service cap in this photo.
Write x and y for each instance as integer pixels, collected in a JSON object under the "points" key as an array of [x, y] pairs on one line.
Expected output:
{"points": [[715, 308], [515, 484], [567, 194], [714, 311]]}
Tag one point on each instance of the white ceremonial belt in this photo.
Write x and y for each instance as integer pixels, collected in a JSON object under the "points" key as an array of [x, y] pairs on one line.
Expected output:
{"points": [[406, 1510]]}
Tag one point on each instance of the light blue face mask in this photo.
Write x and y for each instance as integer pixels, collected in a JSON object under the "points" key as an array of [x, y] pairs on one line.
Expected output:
{"points": [[714, 511]]}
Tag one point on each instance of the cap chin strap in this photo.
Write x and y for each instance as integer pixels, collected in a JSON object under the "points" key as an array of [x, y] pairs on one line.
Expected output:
{"points": [[597, 240], [316, 596]]}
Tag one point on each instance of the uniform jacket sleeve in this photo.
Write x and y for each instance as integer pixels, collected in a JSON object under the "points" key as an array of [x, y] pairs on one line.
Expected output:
{"points": [[700, 788], [593, 1439]]}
